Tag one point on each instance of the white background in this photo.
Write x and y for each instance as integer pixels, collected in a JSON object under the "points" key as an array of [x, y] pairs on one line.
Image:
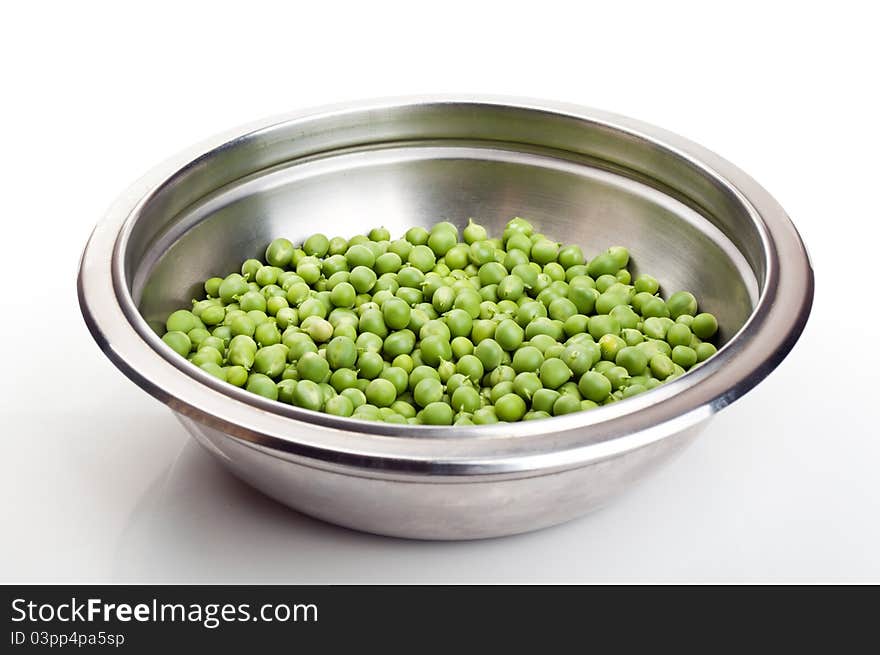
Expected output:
{"points": [[99, 483]]}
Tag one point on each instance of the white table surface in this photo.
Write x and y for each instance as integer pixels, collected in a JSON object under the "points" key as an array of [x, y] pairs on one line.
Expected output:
{"points": [[98, 481]]}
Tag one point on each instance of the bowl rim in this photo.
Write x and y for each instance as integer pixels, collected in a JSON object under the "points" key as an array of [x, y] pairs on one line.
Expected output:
{"points": [[388, 450]]}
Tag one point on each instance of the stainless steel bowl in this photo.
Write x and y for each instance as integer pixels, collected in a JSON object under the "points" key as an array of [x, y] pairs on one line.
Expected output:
{"points": [[589, 177]]}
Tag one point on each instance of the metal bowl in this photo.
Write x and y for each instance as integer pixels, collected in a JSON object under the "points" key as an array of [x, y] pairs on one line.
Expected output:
{"points": [[584, 176]]}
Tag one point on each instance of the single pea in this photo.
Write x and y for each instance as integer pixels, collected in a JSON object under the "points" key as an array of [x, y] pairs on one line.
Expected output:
{"points": [[422, 258], [362, 279], [279, 252], [342, 379], [178, 341], [543, 399], [356, 396], [242, 325], [566, 404], [681, 302], [632, 336], [262, 385], [662, 366], [437, 413], [212, 286], [341, 353], [319, 329], [678, 334], [442, 299], [434, 349], [704, 351], [491, 273], [594, 386], [427, 391], [580, 357], [527, 359], [465, 399], [308, 395], [510, 287], [510, 407], [603, 264], [603, 324], [474, 232], [684, 356], [481, 253], [472, 367], [548, 326], [396, 313], [417, 236], [561, 309], [311, 366], [182, 320], [570, 255], [381, 392], [267, 334], [654, 328], [339, 406], [440, 241], [526, 384], [617, 376], [343, 295], [396, 376], [554, 373], [370, 365], [646, 283], [489, 353], [625, 316], [509, 334], [400, 343], [610, 345], [484, 416], [632, 359], [704, 325], [654, 307]]}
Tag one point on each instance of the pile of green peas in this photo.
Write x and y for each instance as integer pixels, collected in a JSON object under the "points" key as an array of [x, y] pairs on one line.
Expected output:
{"points": [[441, 327]]}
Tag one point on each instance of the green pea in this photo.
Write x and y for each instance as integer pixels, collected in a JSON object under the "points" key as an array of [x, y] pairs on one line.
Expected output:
{"points": [[662, 366], [704, 351], [684, 356], [510, 407], [603, 324], [554, 373], [678, 334], [527, 359], [632, 359], [370, 365], [178, 341], [654, 328], [490, 353], [704, 325], [280, 252], [342, 379], [437, 413], [262, 385], [311, 366], [580, 357], [308, 395], [594, 386], [484, 416], [339, 406], [566, 404], [381, 392], [422, 258], [440, 241], [681, 302], [526, 384]]}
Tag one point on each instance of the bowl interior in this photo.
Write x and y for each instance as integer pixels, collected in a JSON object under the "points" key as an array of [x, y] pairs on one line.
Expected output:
{"points": [[401, 185]]}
